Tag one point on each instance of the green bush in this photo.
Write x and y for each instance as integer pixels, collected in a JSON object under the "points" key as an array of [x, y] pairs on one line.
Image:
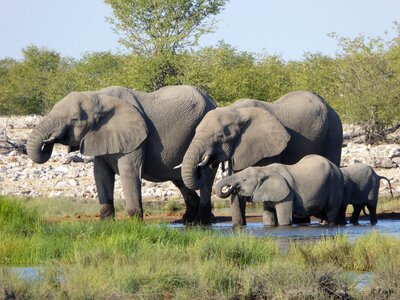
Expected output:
{"points": [[362, 81]]}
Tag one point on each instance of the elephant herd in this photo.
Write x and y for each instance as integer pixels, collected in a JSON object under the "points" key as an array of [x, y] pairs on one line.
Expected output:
{"points": [[285, 154]]}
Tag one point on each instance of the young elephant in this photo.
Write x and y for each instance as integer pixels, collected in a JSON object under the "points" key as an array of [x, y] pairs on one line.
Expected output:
{"points": [[311, 187], [361, 188]]}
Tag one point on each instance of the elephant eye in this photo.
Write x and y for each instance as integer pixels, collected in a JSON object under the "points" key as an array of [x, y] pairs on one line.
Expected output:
{"points": [[74, 119]]}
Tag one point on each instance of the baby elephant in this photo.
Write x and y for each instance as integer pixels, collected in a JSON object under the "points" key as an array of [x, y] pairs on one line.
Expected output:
{"points": [[311, 187], [361, 188]]}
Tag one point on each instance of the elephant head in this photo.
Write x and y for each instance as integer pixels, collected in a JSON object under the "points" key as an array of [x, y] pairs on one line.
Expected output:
{"points": [[243, 136], [95, 123], [255, 183]]}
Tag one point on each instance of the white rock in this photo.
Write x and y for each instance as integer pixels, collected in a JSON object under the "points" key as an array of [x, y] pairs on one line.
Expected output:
{"points": [[61, 184], [73, 182], [61, 169]]}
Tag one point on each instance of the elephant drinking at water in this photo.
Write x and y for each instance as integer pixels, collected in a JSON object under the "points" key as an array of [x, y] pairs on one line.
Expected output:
{"points": [[133, 134], [256, 133], [311, 187]]}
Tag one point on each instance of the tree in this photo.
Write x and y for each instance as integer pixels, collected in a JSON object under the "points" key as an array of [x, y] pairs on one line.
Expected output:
{"points": [[368, 84], [26, 85], [317, 73], [159, 29], [154, 26]]}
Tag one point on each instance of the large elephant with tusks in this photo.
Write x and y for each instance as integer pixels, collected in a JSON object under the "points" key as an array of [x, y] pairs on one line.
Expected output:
{"points": [[256, 133], [133, 134]]}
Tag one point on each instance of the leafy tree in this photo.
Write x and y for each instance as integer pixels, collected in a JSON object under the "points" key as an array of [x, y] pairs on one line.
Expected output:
{"points": [[368, 85], [271, 79], [151, 27], [160, 29], [317, 73], [26, 83], [222, 71]]}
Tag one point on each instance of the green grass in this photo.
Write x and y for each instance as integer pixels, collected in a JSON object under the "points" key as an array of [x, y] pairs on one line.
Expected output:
{"points": [[126, 259]]}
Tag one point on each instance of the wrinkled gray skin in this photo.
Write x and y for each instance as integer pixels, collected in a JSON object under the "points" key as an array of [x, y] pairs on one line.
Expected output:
{"points": [[133, 134], [311, 187], [361, 189], [256, 133]]}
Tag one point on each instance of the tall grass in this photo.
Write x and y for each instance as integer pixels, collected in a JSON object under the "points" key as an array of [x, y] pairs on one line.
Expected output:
{"points": [[14, 218], [127, 259]]}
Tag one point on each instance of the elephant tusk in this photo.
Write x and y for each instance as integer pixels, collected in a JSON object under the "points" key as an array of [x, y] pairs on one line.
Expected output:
{"points": [[204, 161], [178, 166], [50, 140]]}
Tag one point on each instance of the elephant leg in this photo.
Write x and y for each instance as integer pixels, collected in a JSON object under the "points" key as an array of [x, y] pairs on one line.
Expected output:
{"points": [[130, 171], [104, 177], [341, 215], [356, 213], [238, 209], [372, 214], [205, 215], [269, 216], [284, 213], [192, 201]]}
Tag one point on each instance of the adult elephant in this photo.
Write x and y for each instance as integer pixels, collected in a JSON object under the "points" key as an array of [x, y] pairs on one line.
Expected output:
{"points": [[133, 134], [252, 132]]}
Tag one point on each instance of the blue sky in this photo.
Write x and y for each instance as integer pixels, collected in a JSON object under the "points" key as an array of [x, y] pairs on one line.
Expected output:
{"points": [[284, 27]]}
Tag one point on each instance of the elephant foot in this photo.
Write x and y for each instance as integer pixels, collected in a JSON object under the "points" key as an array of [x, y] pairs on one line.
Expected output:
{"points": [[355, 223], [136, 213], [189, 217], [205, 219], [107, 212], [205, 215]]}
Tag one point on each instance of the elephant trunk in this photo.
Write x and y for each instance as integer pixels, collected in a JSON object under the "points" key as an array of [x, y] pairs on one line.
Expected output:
{"points": [[192, 165], [41, 140], [225, 187]]}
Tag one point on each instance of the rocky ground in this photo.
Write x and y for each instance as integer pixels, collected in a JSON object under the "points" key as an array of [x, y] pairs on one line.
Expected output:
{"points": [[70, 175]]}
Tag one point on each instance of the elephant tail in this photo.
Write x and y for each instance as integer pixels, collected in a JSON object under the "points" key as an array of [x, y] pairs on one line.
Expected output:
{"points": [[390, 186]]}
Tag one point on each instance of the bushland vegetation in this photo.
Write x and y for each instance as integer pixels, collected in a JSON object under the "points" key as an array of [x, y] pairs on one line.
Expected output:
{"points": [[361, 82], [126, 259]]}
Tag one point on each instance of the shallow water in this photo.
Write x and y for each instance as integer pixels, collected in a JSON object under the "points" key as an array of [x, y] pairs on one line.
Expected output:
{"points": [[27, 273], [313, 231]]}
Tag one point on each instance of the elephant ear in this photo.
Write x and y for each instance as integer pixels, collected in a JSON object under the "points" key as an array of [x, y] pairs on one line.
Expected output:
{"points": [[119, 128], [273, 188], [262, 136]]}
